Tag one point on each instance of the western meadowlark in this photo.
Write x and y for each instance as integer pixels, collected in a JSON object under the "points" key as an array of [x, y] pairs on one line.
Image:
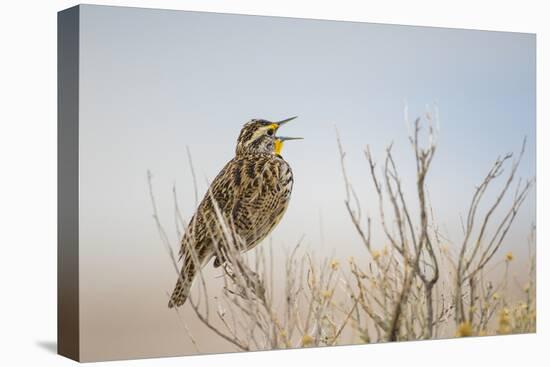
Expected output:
{"points": [[251, 193]]}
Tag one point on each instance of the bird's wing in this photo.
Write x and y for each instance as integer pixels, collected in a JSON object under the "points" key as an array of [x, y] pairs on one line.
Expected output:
{"points": [[262, 199], [251, 193], [218, 199]]}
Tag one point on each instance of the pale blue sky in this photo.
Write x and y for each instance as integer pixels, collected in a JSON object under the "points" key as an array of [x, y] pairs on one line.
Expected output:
{"points": [[155, 81]]}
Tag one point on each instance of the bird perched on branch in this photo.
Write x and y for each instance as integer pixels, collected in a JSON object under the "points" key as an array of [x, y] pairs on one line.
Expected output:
{"points": [[249, 195]]}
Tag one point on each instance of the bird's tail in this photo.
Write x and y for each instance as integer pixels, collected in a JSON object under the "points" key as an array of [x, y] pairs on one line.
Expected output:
{"points": [[184, 283]]}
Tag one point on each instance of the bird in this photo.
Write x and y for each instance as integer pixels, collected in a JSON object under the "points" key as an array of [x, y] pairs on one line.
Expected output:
{"points": [[251, 192]]}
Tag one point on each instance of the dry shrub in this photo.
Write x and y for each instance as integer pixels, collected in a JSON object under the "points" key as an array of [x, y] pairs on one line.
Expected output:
{"points": [[397, 292]]}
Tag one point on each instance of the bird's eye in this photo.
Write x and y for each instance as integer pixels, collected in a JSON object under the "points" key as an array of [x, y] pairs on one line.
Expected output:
{"points": [[270, 132]]}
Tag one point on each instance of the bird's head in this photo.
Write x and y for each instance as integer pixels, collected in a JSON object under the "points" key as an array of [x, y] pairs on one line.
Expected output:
{"points": [[259, 136]]}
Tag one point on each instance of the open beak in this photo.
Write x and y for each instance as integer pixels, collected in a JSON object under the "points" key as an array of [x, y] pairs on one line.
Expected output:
{"points": [[280, 139], [281, 123]]}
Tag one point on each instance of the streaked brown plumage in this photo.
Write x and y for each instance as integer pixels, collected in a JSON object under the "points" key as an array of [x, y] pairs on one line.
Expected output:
{"points": [[251, 192]]}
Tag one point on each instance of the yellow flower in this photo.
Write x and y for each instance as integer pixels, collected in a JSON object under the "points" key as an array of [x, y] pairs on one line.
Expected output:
{"points": [[376, 255], [496, 296], [334, 265], [509, 256], [326, 294], [464, 329], [307, 340], [504, 326]]}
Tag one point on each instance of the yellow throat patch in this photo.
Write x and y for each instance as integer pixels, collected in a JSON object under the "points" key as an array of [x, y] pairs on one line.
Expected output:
{"points": [[278, 146]]}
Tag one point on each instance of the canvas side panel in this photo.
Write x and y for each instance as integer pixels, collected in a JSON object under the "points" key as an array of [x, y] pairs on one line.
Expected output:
{"points": [[68, 340]]}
